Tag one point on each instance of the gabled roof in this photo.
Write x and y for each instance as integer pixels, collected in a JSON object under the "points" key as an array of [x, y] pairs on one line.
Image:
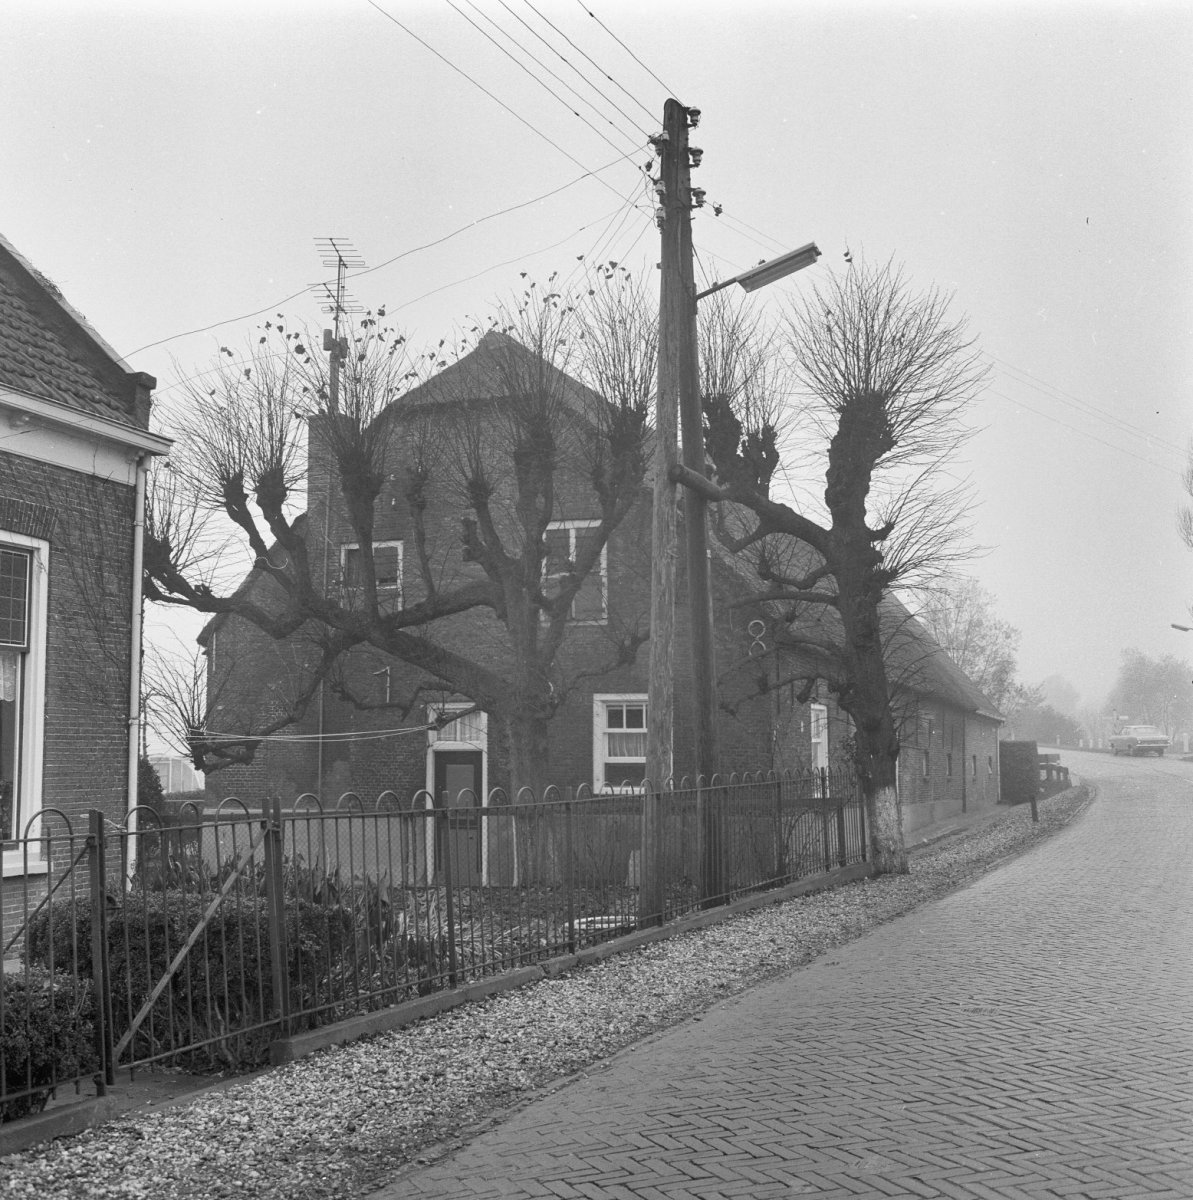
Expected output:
{"points": [[915, 661], [49, 351], [486, 372], [920, 665]]}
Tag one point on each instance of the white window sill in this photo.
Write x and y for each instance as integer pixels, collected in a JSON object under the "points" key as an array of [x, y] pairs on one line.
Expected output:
{"points": [[15, 866]]}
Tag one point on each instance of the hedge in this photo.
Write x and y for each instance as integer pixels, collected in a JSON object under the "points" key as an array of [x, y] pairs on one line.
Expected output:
{"points": [[47, 1037]]}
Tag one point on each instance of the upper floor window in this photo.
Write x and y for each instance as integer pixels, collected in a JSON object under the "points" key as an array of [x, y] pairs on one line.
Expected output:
{"points": [[818, 723], [565, 541], [22, 689], [619, 742], [387, 567]]}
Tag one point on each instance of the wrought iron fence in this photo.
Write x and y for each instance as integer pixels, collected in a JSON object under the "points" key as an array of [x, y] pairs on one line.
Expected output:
{"points": [[201, 938]]}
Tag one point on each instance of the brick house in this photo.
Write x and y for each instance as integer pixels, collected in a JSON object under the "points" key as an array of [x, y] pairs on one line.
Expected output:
{"points": [[948, 730], [597, 736], [74, 443], [948, 763]]}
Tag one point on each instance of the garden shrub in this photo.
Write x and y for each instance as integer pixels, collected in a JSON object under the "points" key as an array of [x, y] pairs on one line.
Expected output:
{"points": [[224, 984], [149, 784], [47, 1037]]}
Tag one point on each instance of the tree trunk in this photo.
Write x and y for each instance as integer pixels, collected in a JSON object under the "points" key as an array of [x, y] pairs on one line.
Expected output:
{"points": [[884, 811], [536, 838], [877, 769]]}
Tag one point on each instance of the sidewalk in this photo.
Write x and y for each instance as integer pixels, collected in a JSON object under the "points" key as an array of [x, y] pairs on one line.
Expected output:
{"points": [[1025, 1037]]}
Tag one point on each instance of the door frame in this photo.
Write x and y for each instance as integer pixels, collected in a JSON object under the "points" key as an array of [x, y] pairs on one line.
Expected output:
{"points": [[437, 742]]}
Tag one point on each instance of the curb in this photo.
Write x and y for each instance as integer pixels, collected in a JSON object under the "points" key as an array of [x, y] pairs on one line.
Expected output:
{"points": [[286, 1050]]}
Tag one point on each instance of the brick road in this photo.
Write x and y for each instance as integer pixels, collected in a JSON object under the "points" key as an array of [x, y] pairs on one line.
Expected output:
{"points": [[1030, 1036]]}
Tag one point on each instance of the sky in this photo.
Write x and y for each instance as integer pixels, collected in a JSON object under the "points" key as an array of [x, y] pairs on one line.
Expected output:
{"points": [[170, 166]]}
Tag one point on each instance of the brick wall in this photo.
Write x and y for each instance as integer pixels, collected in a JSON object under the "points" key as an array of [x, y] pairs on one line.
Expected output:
{"points": [[954, 743], [87, 653]]}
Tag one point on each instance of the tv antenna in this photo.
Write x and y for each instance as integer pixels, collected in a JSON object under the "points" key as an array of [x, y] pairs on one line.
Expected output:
{"points": [[339, 254]]}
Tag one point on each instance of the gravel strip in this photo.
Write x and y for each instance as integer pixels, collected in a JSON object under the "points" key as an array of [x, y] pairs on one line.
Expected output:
{"points": [[342, 1122]]}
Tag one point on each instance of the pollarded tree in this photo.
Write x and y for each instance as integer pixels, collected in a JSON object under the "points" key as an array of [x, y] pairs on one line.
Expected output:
{"points": [[542, 422], [884, 375]]}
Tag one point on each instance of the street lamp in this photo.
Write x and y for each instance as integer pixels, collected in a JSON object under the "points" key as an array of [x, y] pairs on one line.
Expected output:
{"points": [[770, 271]]}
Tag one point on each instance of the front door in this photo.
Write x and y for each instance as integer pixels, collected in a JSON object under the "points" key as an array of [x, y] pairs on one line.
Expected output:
{"points": [[458, 785]]}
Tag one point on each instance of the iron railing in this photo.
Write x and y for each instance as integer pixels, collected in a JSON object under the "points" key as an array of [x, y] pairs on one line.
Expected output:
{"points": [[200, 938]]}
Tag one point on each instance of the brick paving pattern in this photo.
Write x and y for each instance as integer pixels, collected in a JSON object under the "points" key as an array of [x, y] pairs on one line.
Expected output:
{"points": [[1030, 1036]]}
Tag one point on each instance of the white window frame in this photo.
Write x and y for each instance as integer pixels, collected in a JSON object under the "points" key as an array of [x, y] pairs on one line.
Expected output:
{"points": [[818, 734], [435, 737], [600, 727], [602, 568], [385, 591], [27, 797]]}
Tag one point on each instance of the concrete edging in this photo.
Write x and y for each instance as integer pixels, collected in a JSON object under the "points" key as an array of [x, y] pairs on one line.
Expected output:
{"points": [[289, 1049], [55, 1123]]}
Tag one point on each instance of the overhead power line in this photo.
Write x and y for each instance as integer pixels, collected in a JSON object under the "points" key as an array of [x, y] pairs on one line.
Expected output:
{"points": [[1085, 433], [1085, 407], [389, 261], [572, 66], [543, 67], [669, 91], [481, 87]]}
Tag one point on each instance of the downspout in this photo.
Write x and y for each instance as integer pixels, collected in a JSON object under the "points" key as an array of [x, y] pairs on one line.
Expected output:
{"points": [[964, 759], [134, 687]]}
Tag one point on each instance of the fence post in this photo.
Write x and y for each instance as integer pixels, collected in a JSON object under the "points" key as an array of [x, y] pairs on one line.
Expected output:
{"points": [[569, 865], [842, 852], [444, 823], [275, 902], [828, 841], [780, 835], [711, 839], [861, 819], [101, 980], [650, 877]]}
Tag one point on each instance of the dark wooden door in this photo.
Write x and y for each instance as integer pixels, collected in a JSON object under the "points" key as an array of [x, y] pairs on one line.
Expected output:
{"points": [[458, 795]]}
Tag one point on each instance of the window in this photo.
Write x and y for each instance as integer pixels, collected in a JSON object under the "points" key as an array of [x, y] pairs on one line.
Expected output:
{"points": [[990, 765], [818, 720], [927, 763], [564, 541], [948, 765], [619, 742], [470, 728], [975, 767], [22, 686], [387, 566]]}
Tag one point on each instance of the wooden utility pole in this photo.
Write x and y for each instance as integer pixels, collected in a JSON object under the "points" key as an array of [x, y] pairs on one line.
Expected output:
{"points": [[674, 309], [679, 391], [709, 803], [674, 319]]}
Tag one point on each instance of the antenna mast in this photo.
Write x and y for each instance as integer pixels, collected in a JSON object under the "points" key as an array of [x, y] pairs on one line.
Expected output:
{"points": [[338, 253]]}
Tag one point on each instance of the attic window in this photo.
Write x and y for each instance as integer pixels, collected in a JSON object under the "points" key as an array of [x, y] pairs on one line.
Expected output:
{"points": [[387, 566], [564, 542]]}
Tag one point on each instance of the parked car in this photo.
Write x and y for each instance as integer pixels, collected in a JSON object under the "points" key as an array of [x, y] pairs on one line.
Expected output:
{"points": [[1139, 739]]}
